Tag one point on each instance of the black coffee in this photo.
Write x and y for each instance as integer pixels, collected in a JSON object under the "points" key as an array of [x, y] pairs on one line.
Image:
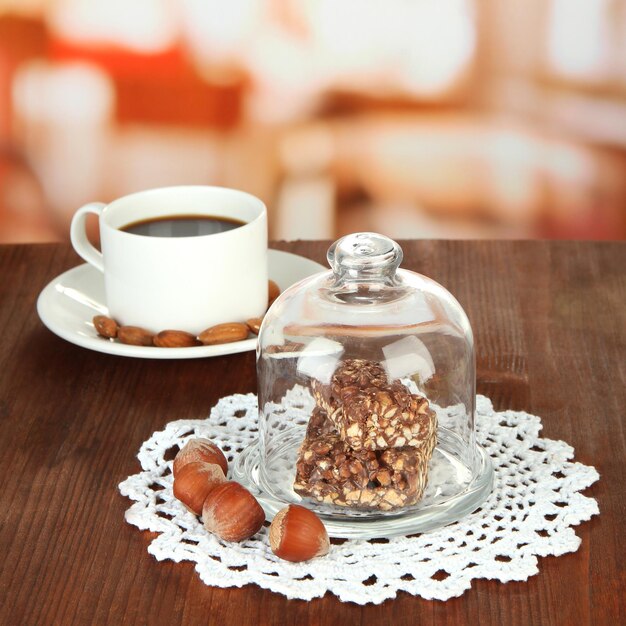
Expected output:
{"points": [[182, 226]]}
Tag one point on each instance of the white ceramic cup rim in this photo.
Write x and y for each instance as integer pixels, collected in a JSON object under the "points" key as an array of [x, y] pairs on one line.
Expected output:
{"points": [[110, 211]]}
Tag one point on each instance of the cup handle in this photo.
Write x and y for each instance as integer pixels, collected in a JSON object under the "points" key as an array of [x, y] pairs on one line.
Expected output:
{"points": [[78, 235]]}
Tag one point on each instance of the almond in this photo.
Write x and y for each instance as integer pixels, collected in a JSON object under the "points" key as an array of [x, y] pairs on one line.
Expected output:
{"points": [[223, 333], [134, 336], [175, 339], [254, 324], [273, 291], [105, 326], [290, 346]]}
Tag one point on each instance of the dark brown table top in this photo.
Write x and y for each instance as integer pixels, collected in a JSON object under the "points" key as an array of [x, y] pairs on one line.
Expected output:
{"points": [[550, 328]]}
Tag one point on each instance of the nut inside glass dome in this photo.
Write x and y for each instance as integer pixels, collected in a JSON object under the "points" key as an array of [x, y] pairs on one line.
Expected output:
{"points": [[366, 386]]}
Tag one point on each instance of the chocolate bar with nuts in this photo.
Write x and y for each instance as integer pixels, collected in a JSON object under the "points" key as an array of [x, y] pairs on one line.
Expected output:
{"points": [[377, 419], [319, 424], [350, 376], [328, 471], [371, 414]]}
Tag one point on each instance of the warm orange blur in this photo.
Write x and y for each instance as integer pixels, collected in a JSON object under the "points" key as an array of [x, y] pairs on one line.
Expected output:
{"points": [[429, 118]]}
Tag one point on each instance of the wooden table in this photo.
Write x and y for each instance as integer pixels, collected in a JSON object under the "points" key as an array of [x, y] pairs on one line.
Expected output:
{"points": [[550, 327]]}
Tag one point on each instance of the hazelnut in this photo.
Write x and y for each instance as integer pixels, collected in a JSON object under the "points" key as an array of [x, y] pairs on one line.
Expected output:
{"points": [[232, 513], [200, 449], [297, 534], [194, 482]]}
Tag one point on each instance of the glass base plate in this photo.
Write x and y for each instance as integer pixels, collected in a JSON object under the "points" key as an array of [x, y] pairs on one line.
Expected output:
{"points": [[418, 519]]}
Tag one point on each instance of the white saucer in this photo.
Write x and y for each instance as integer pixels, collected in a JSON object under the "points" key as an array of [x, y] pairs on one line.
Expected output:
{"points": [[68, 304]]}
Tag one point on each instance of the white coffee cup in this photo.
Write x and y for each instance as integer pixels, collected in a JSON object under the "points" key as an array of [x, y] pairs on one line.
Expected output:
{"points": [[181, 283]]}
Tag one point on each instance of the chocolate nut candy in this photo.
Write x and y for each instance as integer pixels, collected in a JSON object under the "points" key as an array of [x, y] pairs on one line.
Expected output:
{"points": [[319, 424], [328, 471], [372, 414], [350, 376], [377, 419]]}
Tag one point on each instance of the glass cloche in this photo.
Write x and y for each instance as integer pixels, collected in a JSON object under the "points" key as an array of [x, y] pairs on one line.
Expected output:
{"points": [[366, 387]]}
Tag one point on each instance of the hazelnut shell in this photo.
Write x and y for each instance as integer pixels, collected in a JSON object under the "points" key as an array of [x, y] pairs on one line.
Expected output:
{"points": [[232, 513], [297, 534], [194, 482], [200, 449]]}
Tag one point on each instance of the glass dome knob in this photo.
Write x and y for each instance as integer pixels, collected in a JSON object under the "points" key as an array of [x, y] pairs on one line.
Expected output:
{"points": [[364, 254]]}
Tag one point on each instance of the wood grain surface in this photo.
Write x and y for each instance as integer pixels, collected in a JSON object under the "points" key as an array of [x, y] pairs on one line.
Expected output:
{"points": [[550, 328]]}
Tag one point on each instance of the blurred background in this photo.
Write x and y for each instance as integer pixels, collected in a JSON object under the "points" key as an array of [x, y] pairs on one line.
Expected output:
{"points": [[414, 118]]}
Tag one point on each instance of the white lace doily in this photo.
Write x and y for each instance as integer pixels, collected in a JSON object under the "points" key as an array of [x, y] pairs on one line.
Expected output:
{"points": [[535, 502]]}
